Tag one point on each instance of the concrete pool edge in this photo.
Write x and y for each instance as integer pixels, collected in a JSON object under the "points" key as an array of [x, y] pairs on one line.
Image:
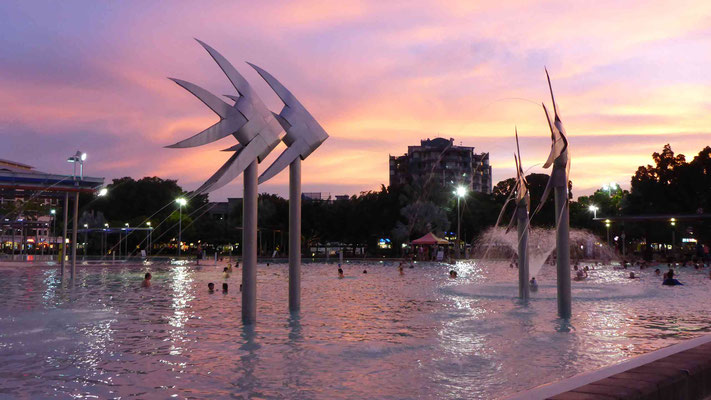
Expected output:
{"points": [[568, 388]]}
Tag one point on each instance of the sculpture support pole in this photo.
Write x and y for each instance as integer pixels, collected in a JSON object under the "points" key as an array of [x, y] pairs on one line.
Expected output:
{"points": [[63, 246], [295, 235], [522, 225], [75, 225], [249, 245], [563, 251]]}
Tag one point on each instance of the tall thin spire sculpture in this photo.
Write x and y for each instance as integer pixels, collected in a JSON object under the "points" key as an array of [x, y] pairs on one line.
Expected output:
{"points": [[558, 181], [520, 216], [257, 132], [303, 135]]}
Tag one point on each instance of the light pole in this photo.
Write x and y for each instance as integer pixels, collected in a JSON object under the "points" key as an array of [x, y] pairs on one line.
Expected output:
{"points": [[53, 212], [148, 239], [460, 192], [181, 202], [126, 237], [673, 225], [607, 225], [593, 208], [106, 240], [86, 238]]}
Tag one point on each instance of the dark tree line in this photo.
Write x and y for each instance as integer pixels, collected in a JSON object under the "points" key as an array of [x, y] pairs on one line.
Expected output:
{"points": [[403, 213]]}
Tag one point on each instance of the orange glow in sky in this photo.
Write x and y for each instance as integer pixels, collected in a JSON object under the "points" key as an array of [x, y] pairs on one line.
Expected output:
{"points": [[629, 77]]}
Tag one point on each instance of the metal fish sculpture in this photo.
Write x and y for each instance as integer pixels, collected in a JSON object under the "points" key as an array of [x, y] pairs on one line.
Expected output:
{"points": [[248, 120], [303, 133], [558, 156], [523, 199]]}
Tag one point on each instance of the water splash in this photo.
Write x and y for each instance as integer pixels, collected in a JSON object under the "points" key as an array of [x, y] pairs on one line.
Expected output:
{"points": [[495, 243]]}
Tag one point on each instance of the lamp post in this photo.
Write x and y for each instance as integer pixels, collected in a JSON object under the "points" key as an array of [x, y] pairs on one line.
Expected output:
{"points": [[78, 157], [148, 239], [460, 192], [673, 225], [593, 208], [126, 237], [181, 202], [607, 225], [105, 242], [86, 238], [53, 213]]}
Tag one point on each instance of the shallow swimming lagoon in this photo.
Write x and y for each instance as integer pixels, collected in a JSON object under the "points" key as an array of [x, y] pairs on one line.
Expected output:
{"points": [[375, 335]]}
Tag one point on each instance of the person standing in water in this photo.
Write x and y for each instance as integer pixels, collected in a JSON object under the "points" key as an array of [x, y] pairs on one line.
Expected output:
{"points": [[225, 273], [401, 269], [533, 285], [211, 287], [147, 280], [670, 281], [340, 271]]}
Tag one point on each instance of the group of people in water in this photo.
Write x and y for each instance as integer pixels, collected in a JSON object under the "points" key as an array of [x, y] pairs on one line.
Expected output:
{"points": [[400, 268]]}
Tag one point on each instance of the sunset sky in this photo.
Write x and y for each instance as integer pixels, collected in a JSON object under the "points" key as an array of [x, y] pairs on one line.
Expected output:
{"points": [[628, 76]]}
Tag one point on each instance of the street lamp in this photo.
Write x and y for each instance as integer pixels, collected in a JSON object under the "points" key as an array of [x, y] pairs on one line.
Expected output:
{"points": [[181, 202], [150, 231], [460, 192], [104, 243], [54, 225], [673, 224], [79, 157], [86, 238], [103, 192], [126, 237], [607, 225], [594, 209]]}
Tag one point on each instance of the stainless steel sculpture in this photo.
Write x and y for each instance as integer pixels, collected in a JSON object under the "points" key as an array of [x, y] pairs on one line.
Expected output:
{"points": [[560, 160], [303, 135], [248, 120], [257, 132], [523, 205]]}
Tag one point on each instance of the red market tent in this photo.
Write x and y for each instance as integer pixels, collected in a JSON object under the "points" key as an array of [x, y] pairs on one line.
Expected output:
{"points": [[430, 239]]}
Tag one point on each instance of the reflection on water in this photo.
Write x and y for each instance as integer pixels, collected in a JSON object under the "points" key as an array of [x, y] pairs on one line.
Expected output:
{"points": [[374, 335]]}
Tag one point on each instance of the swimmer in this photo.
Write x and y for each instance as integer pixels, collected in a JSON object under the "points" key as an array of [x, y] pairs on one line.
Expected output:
{"points": [[225, 273], [580, 274], [670, 281], [224, 288], [267, 264], [533, 285], [340, 271], [657, 272], [452, 274], [365, 271], [147, 280], [211, 287], [631, 276]]}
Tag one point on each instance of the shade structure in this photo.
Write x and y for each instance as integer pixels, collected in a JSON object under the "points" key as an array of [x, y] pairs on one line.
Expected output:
{"points": [[430, 238]]}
